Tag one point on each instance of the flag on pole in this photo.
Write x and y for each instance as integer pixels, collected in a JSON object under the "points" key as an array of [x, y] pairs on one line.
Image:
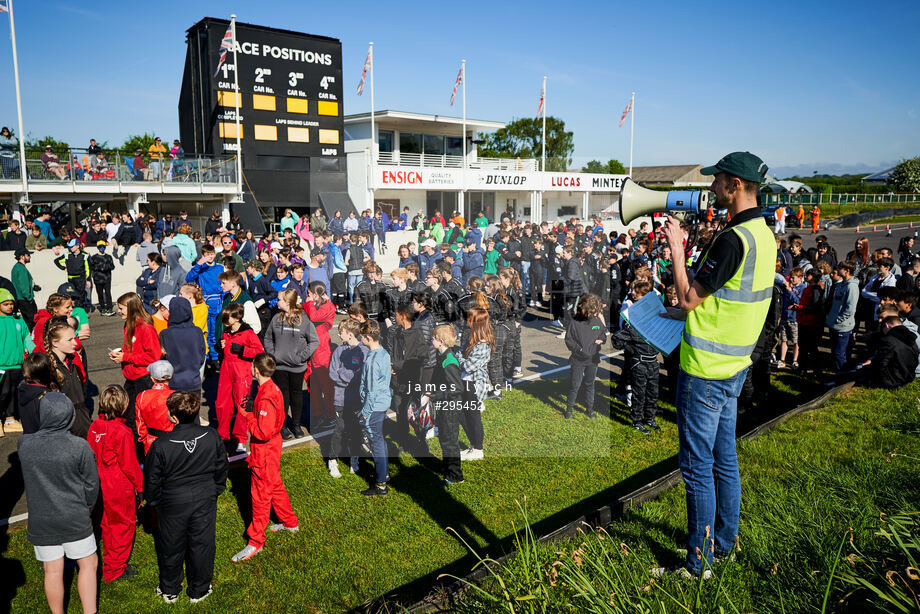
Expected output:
{"points": [[225, 46], [367, 64], [456, 85], [542, 96], [625, 112], [4, 6]]}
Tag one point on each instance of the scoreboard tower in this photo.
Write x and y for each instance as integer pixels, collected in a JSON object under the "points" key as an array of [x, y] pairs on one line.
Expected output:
{"points": [[291, 116]]}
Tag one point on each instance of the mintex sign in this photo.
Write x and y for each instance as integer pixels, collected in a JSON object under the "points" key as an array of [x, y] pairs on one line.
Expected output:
{"points": [[414, 178]]}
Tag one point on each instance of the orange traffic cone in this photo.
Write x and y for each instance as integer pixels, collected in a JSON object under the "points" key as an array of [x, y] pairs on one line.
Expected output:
{"points": [[873, 229], [857, 229], [911, 225]]}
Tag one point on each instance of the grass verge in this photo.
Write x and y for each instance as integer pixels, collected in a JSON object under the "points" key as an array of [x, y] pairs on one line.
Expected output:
{"points": [[818, 494]]}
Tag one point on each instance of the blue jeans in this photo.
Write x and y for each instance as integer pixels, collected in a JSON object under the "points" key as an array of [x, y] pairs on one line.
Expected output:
{"points": [[353, 281], [525, 275], [707, 411], [840, 346], [378, 444]]}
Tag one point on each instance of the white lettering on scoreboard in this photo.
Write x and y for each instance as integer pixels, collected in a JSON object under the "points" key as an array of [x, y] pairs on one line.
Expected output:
{"points": [[284, 53], [402, 177]]}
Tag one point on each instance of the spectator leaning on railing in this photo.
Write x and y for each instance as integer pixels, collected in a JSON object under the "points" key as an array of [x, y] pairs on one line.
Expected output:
{"points": [[9, 154], [156, 151]]}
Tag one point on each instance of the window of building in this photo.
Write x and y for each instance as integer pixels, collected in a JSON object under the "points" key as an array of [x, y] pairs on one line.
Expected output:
{"points": [[385, 140], [454, 146], [569, 210], [410, 142], [434, 145]]}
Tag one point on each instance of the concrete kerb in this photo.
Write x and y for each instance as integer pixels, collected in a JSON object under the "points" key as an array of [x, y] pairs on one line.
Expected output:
{"points": [[443, 595]]}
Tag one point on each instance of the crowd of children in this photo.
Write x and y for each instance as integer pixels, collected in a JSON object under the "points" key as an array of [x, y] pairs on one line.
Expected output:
{"points": [[432, 344]]}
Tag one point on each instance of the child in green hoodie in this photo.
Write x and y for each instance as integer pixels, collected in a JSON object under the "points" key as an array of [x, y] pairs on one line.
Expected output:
{"points": [[15, 343]]}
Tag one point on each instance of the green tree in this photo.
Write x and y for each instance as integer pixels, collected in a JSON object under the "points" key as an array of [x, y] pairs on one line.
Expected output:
{"points": [[137, 141], [906, 176], [523, 138], [613, 167]]}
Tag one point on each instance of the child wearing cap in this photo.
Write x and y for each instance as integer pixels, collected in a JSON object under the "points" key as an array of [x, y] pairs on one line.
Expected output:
{"points": [[268, 491], [101, 266], [15, 343], [152, 416], [120, 477]]}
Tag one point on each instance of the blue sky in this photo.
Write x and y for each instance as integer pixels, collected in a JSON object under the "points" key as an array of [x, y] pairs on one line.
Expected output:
{"points": [[806, 85]]}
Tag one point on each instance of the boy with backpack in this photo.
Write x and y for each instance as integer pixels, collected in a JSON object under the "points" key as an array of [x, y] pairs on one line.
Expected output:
{"points": [[268, 491]]}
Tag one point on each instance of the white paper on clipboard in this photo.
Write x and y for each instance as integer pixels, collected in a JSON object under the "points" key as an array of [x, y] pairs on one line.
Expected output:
{"points": [[661, 333]]}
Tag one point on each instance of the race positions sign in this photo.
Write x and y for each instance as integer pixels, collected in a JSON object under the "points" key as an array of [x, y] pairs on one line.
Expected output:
{"points": [[290, 101]]}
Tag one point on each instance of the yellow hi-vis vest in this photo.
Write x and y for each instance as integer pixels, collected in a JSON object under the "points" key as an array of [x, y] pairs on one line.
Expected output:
{"points": [[721, 332]]}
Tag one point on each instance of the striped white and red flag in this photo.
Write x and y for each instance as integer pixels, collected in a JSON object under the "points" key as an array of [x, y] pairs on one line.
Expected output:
{"points": [[456, 85], [226, 44], [367, 65], [542, 97], [625, 113], [4, 6]]}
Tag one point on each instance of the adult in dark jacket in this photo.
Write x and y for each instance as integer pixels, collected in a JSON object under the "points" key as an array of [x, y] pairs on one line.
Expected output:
{"points": [[184, 347], [62, 486], [895, 359]]}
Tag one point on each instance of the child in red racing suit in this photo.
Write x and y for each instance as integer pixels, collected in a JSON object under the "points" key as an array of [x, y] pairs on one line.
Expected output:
{"points": [[120, 476], [239, 345], [265, 422]]}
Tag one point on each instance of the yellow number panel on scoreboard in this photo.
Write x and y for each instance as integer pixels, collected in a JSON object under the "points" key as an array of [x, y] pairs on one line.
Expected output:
{"points": [[265, 133], [261, 102], [228, 130], [298, 135], [329, 137], [327, 107], [297, 105], [228, 99]]}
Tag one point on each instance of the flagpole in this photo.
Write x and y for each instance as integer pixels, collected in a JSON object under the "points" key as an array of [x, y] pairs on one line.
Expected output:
{"points": [[23, 171], [632, 125], [373, 130], [237, 98], [463, 179], [543, 158]]}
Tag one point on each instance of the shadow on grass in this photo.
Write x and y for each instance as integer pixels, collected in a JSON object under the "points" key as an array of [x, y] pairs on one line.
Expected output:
{"points": [[419, 483]]}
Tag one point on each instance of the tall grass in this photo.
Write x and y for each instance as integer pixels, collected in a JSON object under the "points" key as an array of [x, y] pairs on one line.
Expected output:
{"points": [[815, 536]]}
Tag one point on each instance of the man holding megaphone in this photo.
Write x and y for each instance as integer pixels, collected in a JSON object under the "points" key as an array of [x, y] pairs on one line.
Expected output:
{"points": [[725, 306]]}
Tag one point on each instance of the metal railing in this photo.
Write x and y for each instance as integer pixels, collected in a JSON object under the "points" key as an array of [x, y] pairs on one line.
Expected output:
{"points": [[78, 166], [450, 161], [767, 198]]}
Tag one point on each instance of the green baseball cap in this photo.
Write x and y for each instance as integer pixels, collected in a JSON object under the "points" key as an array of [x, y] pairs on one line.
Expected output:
{"points": [[742, 164]]}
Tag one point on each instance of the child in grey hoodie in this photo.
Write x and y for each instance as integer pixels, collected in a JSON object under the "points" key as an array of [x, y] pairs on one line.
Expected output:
{"points": [[62, 485]]}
